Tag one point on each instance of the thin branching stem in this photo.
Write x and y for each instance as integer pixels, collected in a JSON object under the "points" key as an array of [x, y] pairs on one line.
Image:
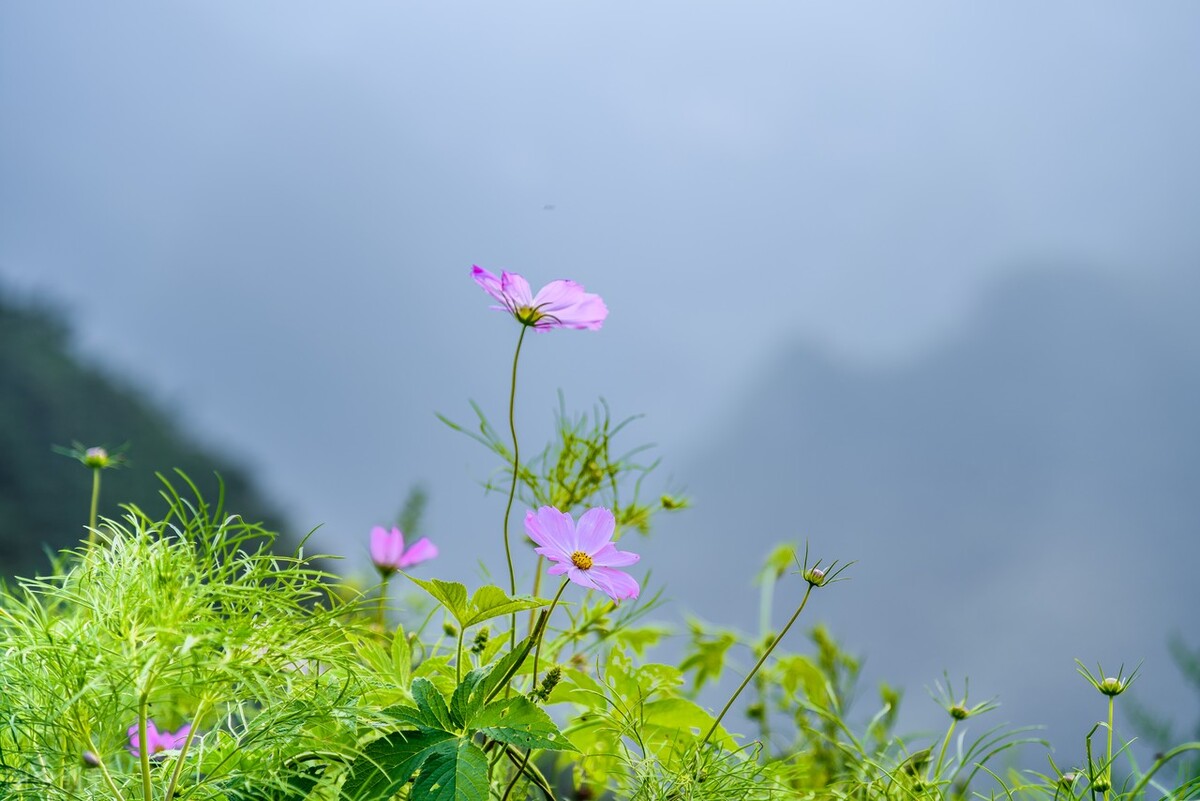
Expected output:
{"points": [[144, 750], [187, 743]]}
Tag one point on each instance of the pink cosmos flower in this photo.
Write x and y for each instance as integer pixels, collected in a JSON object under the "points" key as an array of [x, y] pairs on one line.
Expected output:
{"points": [[559, 304], [388, 552], [584, 551], [156, 741]]}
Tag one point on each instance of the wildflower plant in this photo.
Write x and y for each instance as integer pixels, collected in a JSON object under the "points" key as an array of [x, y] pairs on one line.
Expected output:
{"points": [[183, 656]]}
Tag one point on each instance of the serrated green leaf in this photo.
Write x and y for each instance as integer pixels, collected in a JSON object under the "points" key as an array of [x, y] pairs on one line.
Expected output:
{"points": [[461, 707], [386, 764], [453, 771], [520, 722], [490, 601], [407, 715], [432, 704], [449, 594]]}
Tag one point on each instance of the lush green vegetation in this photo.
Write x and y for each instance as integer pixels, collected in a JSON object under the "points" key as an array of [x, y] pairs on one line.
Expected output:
{"points": [[178, 655]]}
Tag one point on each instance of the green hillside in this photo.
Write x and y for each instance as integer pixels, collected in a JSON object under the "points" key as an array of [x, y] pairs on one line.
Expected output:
{"points": [[49, 396]]}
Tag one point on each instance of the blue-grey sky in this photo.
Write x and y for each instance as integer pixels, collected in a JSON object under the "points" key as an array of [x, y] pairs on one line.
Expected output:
{"points": [[266, 213]]}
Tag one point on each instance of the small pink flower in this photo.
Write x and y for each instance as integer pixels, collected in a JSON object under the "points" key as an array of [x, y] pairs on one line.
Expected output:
{"points": [[388, 552], [585, 551], [559, 304], [156, 741]]}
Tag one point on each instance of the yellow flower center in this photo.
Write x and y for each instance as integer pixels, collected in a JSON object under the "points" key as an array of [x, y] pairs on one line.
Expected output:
{"points": [[528, 315], [581, 560]]}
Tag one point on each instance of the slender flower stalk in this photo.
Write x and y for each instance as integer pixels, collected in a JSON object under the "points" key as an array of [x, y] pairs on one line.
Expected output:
{"points": [[187, 743], [512, 490], [761, 660], [95, 506], [537, 652]]}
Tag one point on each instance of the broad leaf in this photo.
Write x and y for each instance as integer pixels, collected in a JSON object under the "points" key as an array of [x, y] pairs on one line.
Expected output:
{"points": [[401, 657], [520, 722], [456, 770], [387, 764], [490, 601], [461, 707], [432, 704], [499, 674], [449, 594]]}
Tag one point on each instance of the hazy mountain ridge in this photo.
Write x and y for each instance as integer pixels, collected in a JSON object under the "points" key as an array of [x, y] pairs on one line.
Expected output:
{"points": [[50, 396], [1006, 494]]}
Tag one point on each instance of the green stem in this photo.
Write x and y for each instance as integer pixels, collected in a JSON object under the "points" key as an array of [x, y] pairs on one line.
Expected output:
{"points": [[937, 771], [458, 658], [537, 586], [1109, 756], [144, 751], [537, 653], [175, 774], [512, 490], [382, 612], [759, 664], [95, 505], [108, 779]]}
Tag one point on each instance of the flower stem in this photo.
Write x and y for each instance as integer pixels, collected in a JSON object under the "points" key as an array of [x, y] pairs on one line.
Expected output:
{"points": [[537, 653], [458, 658], [382, 612], [1108, 760], [175, 774], [759, 664], [512, 490], [144, 751], [937, 770], [95, 504]]}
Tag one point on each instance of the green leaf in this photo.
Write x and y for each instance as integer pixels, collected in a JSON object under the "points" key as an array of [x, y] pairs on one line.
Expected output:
{"points": [[520, 722], [387, 764], [453, 771], [401, 657], [449, 594], [499, 674], [490, 601], [461, 707], [432, 704], [673, 716]]}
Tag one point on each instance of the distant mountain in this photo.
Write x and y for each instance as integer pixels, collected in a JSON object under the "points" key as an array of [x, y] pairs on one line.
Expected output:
{"points": [[50, 396], [1025, 494]]}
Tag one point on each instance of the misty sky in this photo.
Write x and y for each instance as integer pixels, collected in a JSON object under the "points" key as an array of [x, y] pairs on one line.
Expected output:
{"points": [[266, 213]]}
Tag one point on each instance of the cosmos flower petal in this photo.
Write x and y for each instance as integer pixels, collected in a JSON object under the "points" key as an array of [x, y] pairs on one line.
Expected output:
{"points": [[516, 289], [420, 551], [490, 284], [582, 577], [594, 530], [559, 304], [617, 584], [551, 529], [558, 568], [609, 556]]}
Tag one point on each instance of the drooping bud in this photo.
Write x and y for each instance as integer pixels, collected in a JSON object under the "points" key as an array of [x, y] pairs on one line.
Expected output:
{"points": [[449, 629], [90, 760]]}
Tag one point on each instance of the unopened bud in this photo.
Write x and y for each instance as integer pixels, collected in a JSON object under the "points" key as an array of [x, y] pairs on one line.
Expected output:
{"points": [[1067, 779], [1101, 784], [449, 630], [959, 712], [815, 576], [90, 760], [96, 458], [1111, 686]]}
